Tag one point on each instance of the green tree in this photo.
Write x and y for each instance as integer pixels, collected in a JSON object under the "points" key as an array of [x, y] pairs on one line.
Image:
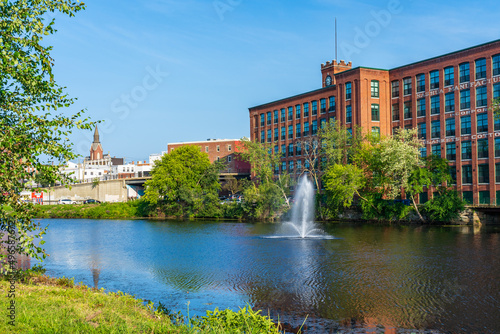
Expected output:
{"points": [[342, 183], [33, 137], [184, 182], [495, 107]]}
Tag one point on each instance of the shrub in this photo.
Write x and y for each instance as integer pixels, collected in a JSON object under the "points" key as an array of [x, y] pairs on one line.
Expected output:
{"points": [[445, 206]]}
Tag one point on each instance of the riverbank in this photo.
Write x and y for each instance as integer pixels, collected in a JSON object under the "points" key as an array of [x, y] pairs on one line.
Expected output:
{"points": [[48, 305]]}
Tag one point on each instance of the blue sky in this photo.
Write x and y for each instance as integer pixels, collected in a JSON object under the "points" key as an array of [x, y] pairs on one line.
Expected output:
{"points": [[160, 71]]}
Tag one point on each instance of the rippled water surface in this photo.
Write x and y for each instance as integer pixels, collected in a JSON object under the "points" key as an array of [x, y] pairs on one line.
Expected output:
{"points": [[368, 279]]}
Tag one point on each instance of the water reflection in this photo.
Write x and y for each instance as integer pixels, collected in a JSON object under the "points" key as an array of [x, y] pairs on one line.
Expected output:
{"points": [[374, 278]]}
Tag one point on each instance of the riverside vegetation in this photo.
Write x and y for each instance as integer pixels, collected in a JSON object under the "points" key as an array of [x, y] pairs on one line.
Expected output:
{"points": [[47, 305]]}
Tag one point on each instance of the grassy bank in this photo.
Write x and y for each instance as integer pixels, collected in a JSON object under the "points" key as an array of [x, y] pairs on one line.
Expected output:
{"points": [[133, 209], [56, 305]]}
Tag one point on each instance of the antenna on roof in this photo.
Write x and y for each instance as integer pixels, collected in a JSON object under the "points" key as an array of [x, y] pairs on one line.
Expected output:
{"points": [[336, 39]]}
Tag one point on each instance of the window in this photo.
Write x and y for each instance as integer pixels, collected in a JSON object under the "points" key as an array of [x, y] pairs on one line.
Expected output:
{"points": [[423, 198], [496, 64], [322, 123], [298, 148], [483, 174], [306, 129], [465, 128], [435, 103], [466, 150], [276, 136], [453, 174], [348, 114], [395, 88], [276, 117], [449, 76], [375, 88], [283, 150], [422, 131], [423, 152], [206, 149], [331, 103], [436, 150], [262, 120], [283, 115], [464, 72], [299, 165], [395, 112], [306, 164], [464, 99], [375, 112], [435, 129], [497, 147], [434, 79], [467, 174], [306, 109], [481, 97], [482, 148], [228, 158], [420, 82], [314, 127], [407, 86], [484, 197], [348, 90], [496, 91], [268, 138], [376, 131], [421, 107], [322, 103], [497, 175], [283, 166], [298, 130], [290, 113], [290, 132], [262, 138], [314, 108], [451, 151], [283, 133], [449, 102], [269, 118], [297, 111], [482, 122], [290, 150], [496, 124], [467, 196], [481, 68], [276, 149], [407, 110], [450, 127]]}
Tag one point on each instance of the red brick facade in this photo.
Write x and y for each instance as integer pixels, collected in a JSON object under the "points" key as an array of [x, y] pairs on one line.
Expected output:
{"points": [[436, 95]]}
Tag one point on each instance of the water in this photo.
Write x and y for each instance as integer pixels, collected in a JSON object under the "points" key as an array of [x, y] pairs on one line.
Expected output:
{"points": [[373, 279]]}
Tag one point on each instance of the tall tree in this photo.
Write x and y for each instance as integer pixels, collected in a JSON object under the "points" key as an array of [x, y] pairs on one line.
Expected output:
{"points": [[184, 181], [32, 135]]}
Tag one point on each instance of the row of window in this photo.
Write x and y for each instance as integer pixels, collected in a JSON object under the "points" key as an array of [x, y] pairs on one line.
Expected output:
{"points": [[465, 149], [293, 165], [465, 126], [449, 103], [217, 149], [299, 131], [297, 112], [449, 76]]}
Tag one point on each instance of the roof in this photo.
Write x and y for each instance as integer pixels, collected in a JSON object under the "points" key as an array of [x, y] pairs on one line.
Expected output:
{"points": [[204, 141]]}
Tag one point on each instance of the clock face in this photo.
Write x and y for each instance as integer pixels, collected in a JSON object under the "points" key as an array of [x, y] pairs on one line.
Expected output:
{"points": [[328, 81]]}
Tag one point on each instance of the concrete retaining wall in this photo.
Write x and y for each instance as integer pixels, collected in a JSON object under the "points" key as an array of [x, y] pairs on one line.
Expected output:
{"points": [[105, 191]]}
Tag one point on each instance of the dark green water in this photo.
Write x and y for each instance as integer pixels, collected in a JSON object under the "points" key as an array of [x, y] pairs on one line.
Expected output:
{"points": [[371, 279]]}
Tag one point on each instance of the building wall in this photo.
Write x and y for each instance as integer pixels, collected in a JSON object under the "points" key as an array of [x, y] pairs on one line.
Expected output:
{"points": [[361, 101], [105, 191]]}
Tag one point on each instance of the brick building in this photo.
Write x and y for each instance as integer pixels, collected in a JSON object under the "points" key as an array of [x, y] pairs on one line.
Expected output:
{"points": [[225, 150], [447, 98]]}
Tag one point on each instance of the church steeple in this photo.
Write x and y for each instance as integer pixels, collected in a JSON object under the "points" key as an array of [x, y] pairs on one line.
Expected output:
{"points": [[96, 151]]}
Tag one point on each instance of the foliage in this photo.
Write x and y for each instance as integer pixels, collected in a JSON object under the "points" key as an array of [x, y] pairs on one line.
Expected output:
{"points": [[95, 182], [341, 183], [338, 145], [131, 209], [445, 206], [263, 201], [32, 136], [375, 207], [495, 107], [183, 182], [227, 321], [262, 159]]}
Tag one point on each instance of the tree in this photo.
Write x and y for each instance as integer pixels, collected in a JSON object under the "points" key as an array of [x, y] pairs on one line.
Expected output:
{"points": [[341, 183], [184, 181], [32, 136], [495, 107]]}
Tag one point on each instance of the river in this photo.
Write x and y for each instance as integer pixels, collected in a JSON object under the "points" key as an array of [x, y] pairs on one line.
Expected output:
{"points": [[371, 278]]}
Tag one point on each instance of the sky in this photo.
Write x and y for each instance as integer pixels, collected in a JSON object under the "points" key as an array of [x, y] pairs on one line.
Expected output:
{"points": [[164, 71]]}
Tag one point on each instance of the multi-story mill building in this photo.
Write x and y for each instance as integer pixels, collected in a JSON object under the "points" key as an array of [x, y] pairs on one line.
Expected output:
{"points": [[447, 98]]}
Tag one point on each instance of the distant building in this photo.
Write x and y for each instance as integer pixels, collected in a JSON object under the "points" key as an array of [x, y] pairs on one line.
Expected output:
{"points": [[97, 157], [224, 150]]}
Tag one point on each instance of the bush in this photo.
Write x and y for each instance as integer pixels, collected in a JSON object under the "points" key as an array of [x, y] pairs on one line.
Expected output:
{"points": [[444, 206], [380, 209]]}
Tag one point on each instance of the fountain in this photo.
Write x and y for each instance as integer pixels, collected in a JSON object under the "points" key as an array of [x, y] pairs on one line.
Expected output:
{"points": [[302, 223]]}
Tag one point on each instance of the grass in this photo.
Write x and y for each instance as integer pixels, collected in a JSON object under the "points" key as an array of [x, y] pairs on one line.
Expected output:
{"points": [[56, 305], [133, 209]]}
